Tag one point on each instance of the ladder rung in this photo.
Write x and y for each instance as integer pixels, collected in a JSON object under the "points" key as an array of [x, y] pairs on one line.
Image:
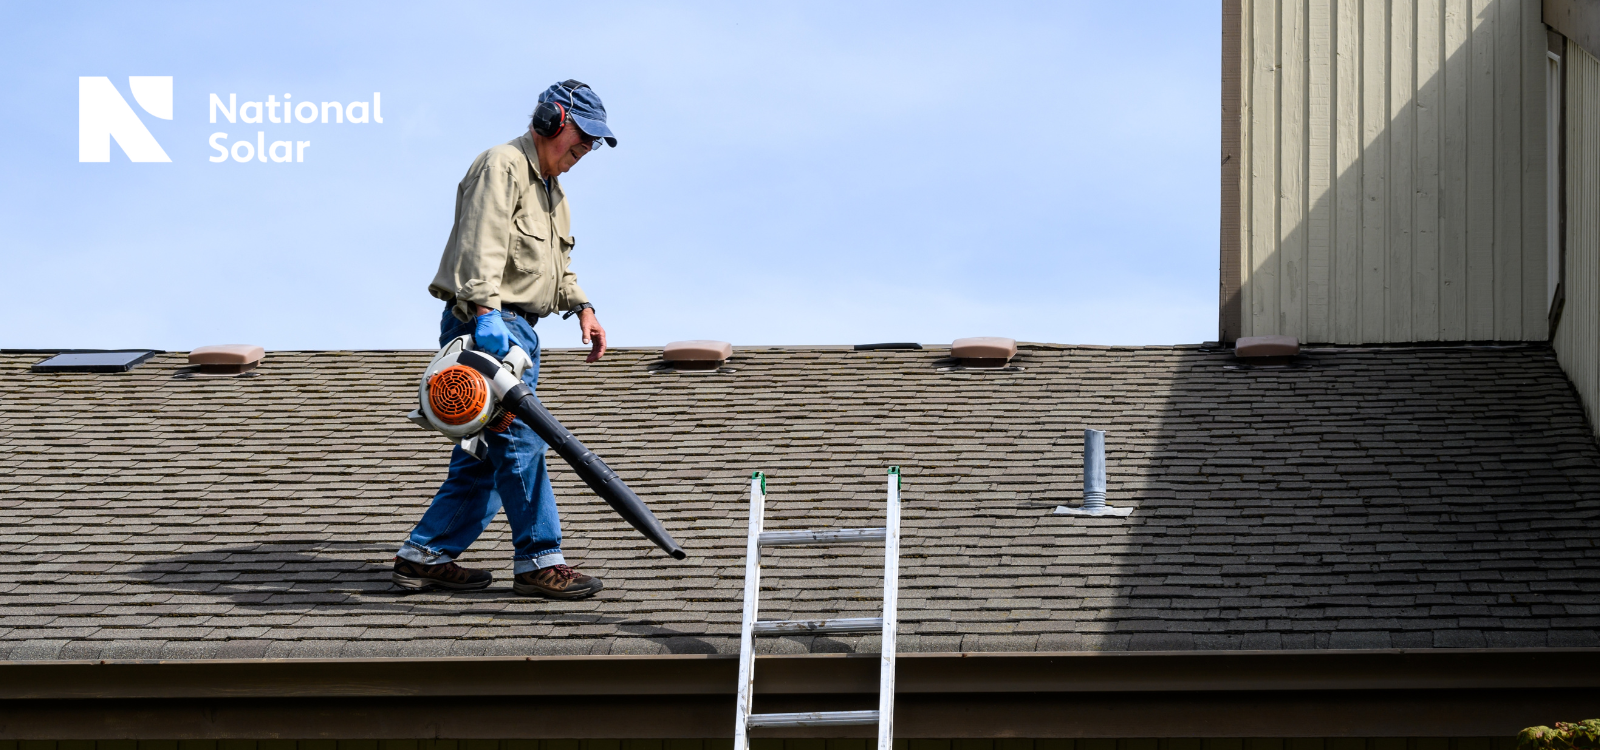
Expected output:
{"points": [[822, 536], [815, 719], [840, 625]]}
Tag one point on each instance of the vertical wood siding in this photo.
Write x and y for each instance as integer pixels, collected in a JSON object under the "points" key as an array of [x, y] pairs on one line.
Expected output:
{"points": [[1576, 342], [1392, 170]]}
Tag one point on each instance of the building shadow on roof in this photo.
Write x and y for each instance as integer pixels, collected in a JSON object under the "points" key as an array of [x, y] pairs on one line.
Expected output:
{"points": [[1427, 497]]}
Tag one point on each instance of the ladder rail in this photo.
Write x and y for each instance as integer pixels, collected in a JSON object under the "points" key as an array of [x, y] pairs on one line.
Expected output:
{"points": [[891, 615], [752, 590]]}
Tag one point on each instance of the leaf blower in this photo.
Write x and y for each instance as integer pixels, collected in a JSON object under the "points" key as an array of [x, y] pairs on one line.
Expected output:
{"points": [[465, 391]]}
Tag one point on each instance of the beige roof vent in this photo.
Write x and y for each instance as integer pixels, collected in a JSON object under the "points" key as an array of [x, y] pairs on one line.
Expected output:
{"points": [[697, 355], [984, 351], [226, 359], [1253, 347]]}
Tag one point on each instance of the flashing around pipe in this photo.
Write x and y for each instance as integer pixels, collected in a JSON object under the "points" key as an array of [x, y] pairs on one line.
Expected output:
{"points": [[1094, 480]]}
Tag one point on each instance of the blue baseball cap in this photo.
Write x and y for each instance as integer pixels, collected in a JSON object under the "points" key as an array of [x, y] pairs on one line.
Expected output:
{"points": [[583, 106]]}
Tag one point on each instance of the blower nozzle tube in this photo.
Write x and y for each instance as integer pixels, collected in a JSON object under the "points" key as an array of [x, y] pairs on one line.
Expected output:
{"points": [[519, 399], [595, 473]]}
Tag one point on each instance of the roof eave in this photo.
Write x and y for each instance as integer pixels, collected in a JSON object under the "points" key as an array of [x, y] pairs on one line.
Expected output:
{"points": [[1437, 692], [715, 674]]}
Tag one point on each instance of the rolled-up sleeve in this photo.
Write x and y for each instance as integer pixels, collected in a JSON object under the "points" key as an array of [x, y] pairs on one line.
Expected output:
{"points": [[568, 293]]}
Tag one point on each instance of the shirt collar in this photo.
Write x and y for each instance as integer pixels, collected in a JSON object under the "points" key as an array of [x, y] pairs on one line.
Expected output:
{"points": [[525, 142]]}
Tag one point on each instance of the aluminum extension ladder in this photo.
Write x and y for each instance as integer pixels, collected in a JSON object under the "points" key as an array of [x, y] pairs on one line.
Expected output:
{"points": [[751, 627]]}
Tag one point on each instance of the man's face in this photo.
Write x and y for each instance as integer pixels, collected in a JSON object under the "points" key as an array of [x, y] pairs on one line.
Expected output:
{"points": [[569, 146]]}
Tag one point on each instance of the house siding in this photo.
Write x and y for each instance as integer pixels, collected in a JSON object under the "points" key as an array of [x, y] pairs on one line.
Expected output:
{"points": [[1391, 182], [1576, 334]]}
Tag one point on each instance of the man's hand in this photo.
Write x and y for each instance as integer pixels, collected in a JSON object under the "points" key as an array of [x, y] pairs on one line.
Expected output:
{"points": [[490, 334], [592, 332]]}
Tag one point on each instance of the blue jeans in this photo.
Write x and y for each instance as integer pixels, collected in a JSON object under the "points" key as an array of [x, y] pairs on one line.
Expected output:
{"points": [[513, 477]]}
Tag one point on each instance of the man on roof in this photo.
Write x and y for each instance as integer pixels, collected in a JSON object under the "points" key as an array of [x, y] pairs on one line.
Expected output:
{"points": [[505, 266]]}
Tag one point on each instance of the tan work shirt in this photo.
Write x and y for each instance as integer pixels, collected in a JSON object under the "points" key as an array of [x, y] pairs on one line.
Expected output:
{"points": [[511, 242]]}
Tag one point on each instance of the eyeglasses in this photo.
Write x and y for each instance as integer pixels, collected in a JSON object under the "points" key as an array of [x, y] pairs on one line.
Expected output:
{"points": [[586, 142]]}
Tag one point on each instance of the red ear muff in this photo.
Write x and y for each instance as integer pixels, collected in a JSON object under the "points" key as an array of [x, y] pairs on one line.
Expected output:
{"points": [[548, 118]]}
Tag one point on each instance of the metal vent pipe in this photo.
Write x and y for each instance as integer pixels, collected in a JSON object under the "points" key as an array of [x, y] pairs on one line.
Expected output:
{"points": [[1094, 480], [1094, 469]]}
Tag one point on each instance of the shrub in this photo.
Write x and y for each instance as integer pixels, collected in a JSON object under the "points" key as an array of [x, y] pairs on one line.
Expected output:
{"points": [[1584, 735]]}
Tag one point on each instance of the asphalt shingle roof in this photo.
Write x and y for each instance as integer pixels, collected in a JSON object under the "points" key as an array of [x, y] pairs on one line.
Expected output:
{"points": [[1382, 497]]}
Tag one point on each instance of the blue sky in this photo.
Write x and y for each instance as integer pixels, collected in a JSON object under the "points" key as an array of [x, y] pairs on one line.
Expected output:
{"points": [[788, 173]]}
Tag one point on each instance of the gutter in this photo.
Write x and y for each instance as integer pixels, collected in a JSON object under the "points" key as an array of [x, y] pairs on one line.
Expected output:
{"points": [[1425, 692]]}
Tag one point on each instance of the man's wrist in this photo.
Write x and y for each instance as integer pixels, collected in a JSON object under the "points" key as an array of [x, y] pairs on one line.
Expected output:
{"points": [[578, 310]]}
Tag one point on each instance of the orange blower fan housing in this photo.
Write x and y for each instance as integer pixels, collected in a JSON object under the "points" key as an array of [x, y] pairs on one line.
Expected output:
{"points": [[457, 395]]}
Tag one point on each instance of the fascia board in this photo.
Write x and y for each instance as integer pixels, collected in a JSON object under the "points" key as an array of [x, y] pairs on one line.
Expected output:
{"points": [[925, 673]]}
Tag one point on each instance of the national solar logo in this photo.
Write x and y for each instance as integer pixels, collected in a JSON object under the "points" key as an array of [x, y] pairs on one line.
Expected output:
{"points": [[105, 116]]}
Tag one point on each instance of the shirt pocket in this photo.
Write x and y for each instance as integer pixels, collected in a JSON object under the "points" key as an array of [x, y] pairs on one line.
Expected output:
{"points": [[530, 252]]}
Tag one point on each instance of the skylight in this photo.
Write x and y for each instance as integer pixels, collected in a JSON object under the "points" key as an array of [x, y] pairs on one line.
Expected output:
{"points": [[94, 361]]}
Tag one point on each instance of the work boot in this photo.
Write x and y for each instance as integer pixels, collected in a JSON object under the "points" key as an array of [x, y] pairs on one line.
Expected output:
{"points": [[410, 575], [556, 582]]}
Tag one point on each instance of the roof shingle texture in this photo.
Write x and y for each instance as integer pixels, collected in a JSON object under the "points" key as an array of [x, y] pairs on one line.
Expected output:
{"points": [[1378, 498]]}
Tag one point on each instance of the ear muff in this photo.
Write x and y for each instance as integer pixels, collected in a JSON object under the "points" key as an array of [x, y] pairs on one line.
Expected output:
{"points": [[548, 118]]}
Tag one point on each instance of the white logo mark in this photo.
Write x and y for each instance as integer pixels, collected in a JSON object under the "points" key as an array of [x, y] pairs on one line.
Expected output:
{"points": [[103, 115]]}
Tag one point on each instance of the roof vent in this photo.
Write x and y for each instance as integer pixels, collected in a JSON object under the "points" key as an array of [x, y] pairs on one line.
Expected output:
{"points": [[225, 360], [122, 361], [1094, 480], [1271, 351], [697, 355], [1251, 347], [984, 351]]}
